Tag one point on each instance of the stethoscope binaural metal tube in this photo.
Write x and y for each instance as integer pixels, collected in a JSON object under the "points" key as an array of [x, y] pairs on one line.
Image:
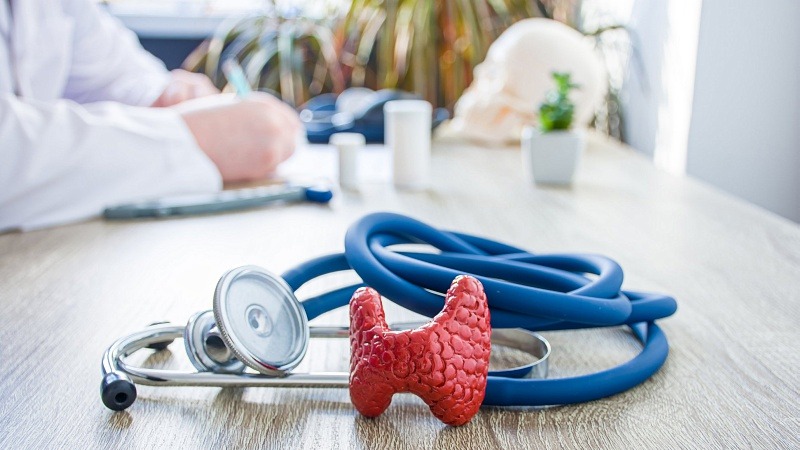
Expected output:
{"points": [[113, 363], [119, 377]]}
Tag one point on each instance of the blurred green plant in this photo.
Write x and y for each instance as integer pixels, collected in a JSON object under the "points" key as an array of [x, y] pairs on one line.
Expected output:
{"points": [[556, 112], [427, 47], [293, 57]]}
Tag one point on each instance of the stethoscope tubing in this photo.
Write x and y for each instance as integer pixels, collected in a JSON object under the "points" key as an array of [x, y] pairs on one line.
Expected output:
{"points": [[501, 391], [534, 292]]}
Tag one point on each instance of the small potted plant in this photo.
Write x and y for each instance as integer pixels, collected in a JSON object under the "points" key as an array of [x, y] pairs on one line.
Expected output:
{"points": [[550, 152]]}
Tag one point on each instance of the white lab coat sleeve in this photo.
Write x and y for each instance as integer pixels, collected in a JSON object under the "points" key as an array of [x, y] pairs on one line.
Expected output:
{"points": [[62, 162], [107, 62]]}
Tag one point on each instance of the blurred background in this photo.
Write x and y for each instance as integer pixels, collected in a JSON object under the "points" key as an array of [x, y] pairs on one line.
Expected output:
{"points": [[706, 88]]}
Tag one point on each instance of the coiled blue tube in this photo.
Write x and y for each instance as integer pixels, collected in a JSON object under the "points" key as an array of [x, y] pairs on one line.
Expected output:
{"points": [[535, 292]]}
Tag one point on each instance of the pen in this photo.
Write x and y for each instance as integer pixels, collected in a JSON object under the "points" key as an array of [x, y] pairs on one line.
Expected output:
{"points": [[235, 76], [237, 199]]}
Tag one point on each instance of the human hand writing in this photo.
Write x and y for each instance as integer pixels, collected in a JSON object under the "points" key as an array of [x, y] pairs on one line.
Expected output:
{"points": [[185, 86], [245, 138]]}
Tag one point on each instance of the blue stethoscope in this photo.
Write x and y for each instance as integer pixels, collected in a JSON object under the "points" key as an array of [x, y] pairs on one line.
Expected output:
{"points": [[257, 321]]}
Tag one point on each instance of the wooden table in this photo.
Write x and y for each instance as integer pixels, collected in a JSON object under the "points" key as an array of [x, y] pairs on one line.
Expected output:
{"points": [[731, 380]]}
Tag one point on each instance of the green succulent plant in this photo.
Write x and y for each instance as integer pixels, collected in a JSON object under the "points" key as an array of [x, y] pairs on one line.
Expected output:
{"points": [[556, 112]]}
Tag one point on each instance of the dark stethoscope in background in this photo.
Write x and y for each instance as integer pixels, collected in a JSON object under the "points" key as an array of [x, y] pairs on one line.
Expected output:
{"points": [[355, 110], [258, 323]]}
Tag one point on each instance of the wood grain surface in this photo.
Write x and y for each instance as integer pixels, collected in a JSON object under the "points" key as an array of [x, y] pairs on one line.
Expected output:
{"points": [[732, 379]]}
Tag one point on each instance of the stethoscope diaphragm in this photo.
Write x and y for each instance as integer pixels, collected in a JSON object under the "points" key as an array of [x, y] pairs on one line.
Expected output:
{"points": [[260, 320]]}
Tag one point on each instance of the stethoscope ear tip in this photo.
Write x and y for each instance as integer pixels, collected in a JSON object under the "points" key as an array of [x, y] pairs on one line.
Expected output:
{"points": [[117, 391]]}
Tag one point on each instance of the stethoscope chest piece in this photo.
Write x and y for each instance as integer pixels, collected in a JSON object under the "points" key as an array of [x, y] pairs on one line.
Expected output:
{"points": [[256, 322]]}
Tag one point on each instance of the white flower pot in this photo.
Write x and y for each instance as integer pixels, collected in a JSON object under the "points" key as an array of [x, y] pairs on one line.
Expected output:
{"points": [[551, 158]]}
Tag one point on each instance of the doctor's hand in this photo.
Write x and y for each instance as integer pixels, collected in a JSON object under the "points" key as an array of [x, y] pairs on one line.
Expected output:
{"points": [[245, 138], [185, 86]]}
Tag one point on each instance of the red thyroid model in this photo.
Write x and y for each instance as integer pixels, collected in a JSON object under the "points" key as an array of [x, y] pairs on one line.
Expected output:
{"points": [[444, 362]]}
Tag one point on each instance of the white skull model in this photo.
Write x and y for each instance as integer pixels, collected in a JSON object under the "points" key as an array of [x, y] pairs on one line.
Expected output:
{"points": [[516, 75]]}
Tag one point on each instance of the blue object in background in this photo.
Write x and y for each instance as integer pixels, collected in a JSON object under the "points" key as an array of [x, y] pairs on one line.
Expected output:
{"points": [[230, 200], [324, 116]]}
